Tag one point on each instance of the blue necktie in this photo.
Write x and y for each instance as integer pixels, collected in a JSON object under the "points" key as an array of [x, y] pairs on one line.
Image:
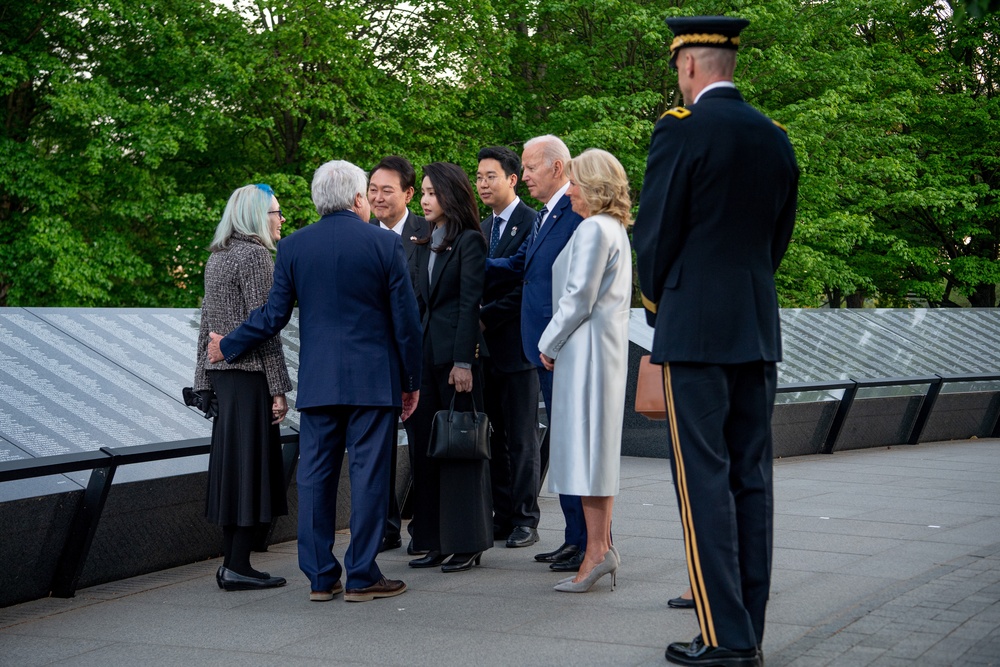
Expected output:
{"points": [[495, 234], [538, 222]]}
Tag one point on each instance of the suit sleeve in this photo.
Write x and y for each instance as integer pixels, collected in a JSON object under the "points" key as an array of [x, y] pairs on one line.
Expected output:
{"points": [[269, 319], [257, 279], [508, 268], [588, 260], [405, 320], [659, 229], [472, 247]]}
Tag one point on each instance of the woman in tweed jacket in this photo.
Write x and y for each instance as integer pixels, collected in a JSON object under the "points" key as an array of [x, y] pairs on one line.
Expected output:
{"points": [[245, 477]]}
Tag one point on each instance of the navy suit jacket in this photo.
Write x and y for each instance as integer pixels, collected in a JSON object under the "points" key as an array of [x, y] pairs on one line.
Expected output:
{"points": [[533, 262], [715, 217], [501, 313], [359, 329]]}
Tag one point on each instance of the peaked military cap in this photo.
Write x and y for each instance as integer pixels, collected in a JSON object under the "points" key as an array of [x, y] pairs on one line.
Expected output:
{"points": [[721, 32]]}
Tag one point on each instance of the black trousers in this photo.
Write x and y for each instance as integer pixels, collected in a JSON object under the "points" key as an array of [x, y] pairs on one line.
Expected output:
{"points": [[720, 436], [515, 468]]}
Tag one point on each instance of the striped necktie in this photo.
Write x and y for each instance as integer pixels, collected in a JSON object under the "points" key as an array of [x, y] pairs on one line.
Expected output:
{"points": [[538, 222]]}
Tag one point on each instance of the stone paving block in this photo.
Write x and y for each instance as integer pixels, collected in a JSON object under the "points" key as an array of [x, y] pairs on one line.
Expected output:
{"points": [[30, 651], [857, 656]]}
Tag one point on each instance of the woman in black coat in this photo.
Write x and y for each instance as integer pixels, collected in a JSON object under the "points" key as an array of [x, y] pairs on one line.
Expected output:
{"points": [[453, 503]]}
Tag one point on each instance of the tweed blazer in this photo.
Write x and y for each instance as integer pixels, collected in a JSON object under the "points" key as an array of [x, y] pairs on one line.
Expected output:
{"points": [[237, 281]]}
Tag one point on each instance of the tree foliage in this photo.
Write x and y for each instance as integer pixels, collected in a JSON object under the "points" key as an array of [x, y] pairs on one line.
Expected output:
{"points": [[127, 124]]}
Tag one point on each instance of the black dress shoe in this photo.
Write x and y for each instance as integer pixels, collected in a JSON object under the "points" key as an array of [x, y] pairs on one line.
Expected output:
{"points": [[413, 551], [432, 559], [696, 653], [571, 564], [567, 550], [218, 576], [462, 562], [231, 581], [680, 603], [390, 542], [522, 536]]}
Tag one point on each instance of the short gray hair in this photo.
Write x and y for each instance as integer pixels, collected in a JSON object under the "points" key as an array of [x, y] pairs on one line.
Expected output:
{"points": [[552, 148], [335, 186]]}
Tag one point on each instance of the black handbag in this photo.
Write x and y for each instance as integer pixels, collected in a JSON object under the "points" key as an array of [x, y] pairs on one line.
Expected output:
{"points": [[205, 400], [460, 435]]}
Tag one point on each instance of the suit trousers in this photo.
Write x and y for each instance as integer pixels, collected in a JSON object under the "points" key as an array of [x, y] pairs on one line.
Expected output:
{"points": [[721, 458], [366, 434], [572, 506], [512, 405]]}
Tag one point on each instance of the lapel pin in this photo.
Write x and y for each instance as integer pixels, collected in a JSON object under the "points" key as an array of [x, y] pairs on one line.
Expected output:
{"points": [[513, 231], [413, 238]]}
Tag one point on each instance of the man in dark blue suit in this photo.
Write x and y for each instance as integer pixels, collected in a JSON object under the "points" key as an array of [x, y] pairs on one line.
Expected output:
{"points": [[544, 162], [715, 218], [359, 363], [390, 188], [510, 380]]}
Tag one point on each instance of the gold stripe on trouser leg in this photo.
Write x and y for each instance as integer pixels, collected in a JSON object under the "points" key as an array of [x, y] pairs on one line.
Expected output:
{"points": [[702, 605]]}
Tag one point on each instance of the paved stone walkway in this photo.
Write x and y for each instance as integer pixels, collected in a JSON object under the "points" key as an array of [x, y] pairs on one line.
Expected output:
{"points": [[882, 557]]}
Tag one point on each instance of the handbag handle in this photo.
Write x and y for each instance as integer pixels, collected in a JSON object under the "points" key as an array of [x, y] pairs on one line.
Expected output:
{"points": [[475, 412]]}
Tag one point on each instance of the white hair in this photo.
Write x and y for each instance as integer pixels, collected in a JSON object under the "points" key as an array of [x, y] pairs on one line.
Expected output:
{"points": [[246, 213], [335, 186], [552, 148]]}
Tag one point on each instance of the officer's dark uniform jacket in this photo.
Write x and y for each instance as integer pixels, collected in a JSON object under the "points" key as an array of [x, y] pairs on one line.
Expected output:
{"points": [[711, 230]]}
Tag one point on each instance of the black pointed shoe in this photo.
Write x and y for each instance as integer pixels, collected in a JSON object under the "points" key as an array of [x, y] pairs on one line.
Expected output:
{"points": [[696, 653], [462, 562], [432, 559], [680, 603]]}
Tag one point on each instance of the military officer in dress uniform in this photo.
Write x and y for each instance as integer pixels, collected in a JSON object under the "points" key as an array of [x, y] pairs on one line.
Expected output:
{"points": [[715, 217]]}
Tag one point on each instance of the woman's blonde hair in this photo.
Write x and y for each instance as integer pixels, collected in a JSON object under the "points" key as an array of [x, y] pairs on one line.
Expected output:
{"points": [[603, 183], [246, 213]]}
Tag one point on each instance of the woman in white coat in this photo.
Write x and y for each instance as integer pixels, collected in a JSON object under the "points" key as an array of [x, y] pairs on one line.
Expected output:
{"points": [[586, 345]]}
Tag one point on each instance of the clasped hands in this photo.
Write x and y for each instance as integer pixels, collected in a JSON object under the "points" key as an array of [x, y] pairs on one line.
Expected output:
{"points": [[548, 362]]}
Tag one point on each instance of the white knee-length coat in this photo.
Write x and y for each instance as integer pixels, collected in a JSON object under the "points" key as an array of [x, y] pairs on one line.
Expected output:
{"points": [[588, 338]]}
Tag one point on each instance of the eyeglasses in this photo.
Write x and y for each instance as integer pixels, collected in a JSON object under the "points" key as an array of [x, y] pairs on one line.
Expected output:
{"points": [[280, 215], [491, 179]]}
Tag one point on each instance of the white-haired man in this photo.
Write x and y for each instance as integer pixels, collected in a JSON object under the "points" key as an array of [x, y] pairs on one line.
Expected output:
{"points": [[359, 363]]}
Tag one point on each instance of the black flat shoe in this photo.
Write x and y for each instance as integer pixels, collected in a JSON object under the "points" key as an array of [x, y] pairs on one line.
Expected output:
{"points": [[571, 564], [432, 559], [231, 581], [680, 603], [564, 552], [462, 562], [696, 653]]}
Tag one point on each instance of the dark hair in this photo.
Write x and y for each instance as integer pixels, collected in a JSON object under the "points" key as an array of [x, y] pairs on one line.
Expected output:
{"points": [[400, 165], [454, 195], [508, 159]]}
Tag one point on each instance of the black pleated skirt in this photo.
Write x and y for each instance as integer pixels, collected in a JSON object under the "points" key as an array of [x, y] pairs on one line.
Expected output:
{"points": [[246, 483]]}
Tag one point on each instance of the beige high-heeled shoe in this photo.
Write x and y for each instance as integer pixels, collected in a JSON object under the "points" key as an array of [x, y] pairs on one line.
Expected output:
{"points": [[607, 566]]}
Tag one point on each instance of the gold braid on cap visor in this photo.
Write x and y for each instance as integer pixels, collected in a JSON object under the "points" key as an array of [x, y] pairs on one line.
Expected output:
{"points": [[702, 39]]}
